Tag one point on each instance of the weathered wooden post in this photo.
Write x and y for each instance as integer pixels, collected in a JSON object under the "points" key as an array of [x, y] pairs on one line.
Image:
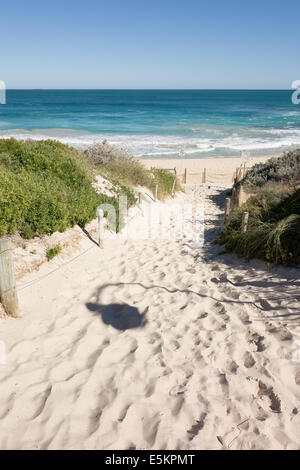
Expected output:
{"points": [[245, 222], [8, 292], [227, 210], [173, 187], [204, 176], [240, 196], [140, 199], [156, 192], [244, 169], [185, 176], [100, 214]]}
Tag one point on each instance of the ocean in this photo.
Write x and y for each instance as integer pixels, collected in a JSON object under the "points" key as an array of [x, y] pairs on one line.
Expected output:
{"points": [[158, 123]]}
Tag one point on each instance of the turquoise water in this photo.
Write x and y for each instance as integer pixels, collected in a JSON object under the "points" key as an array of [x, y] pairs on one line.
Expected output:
{"points": [[157, 123]]}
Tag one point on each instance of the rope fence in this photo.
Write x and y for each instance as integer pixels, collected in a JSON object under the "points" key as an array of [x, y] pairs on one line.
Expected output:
{"points": [[207, 176]]}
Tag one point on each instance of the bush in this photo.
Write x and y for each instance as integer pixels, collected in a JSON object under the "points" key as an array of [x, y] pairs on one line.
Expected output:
{"points": [[273, 231], [45, 187], [52, 252], [118, 165], [105, 153], [284, 170]]}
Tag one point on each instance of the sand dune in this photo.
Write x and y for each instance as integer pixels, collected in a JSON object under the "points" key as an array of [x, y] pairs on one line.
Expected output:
{"points": [[153, 345]]}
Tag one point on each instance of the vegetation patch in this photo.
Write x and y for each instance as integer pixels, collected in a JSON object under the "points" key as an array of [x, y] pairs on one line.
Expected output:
{"points": [[283, 171], [117, 165], [273, 231], [52, 252], [45, 187]]}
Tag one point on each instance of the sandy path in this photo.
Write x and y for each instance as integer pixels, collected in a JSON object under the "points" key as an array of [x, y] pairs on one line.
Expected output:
{"points": [[149, 345]]}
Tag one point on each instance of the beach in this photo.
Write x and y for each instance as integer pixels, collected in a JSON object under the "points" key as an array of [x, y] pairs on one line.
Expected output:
{"points": [[154, 343], [218, 170]]}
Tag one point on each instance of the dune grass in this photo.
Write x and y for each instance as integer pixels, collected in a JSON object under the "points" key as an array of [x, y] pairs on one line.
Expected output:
{"points": [[274, 228]]}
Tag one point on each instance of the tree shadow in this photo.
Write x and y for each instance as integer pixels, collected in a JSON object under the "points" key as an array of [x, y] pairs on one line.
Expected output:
{"points": [[120, 316]]}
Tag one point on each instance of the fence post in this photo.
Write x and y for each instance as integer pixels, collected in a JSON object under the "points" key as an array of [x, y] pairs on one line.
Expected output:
{"points": [[227, 209], [140, 199], [156, 192], [245, 222], [240, 195], [185, 176], [204, 176], [173, 187], [8, 292], [244, 169], [100, 215]]}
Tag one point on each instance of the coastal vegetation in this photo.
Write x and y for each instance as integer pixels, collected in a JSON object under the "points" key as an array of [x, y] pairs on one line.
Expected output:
{"points": [[52, 252], [279, 171], [118, 165], [273, 232], [47, 186]]}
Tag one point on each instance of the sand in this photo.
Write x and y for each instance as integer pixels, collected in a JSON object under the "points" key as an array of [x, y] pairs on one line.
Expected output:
{"points": [[153, 344], [219, 170]]}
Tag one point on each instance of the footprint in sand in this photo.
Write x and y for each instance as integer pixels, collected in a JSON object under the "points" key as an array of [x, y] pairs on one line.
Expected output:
{"points": [[257, 341], [232, 367], [249, 360], [266, 395]]}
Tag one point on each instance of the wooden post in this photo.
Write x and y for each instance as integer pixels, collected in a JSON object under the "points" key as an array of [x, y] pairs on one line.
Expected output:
{"points": [[140, 199], [100, 215], [173, 187], [175, 171], [156, 192], [185, 176], [227, 210], [8, 292], [240, 195], [244, 169], [204, 176], [245, 222]]}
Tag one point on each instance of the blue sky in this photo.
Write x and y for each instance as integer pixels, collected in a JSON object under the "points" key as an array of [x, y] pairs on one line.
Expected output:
{"points": [[149, 44]]}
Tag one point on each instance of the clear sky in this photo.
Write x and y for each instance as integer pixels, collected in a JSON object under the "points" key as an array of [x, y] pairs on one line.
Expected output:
{"points": [[150, 43]]}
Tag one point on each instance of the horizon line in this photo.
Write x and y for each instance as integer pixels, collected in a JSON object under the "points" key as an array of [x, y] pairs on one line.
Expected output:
{"points": [[149, 89]]}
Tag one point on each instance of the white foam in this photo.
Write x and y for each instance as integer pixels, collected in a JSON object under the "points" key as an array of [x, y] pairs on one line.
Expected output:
{"points": [[168, 146]]}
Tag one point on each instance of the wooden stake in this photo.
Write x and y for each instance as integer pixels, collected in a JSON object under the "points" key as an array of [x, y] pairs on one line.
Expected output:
{"points": [[8, 292], [244, 169], [245, 222], [227, 210], [140, 199], [100, 215], [156, 192], [204, 176], [185, 176], [173, 187]]}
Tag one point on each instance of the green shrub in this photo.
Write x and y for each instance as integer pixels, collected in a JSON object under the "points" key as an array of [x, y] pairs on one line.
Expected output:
{"points": [[52, 252], [45, 187], [284, 170]]}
